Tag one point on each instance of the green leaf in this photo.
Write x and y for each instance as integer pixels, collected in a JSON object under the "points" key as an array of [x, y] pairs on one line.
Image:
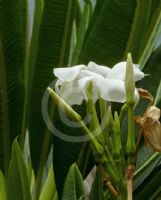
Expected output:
{"points": [[81, 31], [152, 82], [52, 51], [145, 169], [73, 187], [139, 28], [64, 149], [108, 33], [149, 186], [12, 53], [156, 195], [97, 188], [31, 53], [151, 37], [27, 159], [49, 190], [158, 96], [18, 187], [3, 187], [85, 160]]}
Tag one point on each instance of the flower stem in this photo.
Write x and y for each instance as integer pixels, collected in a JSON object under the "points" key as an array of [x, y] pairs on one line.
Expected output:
{"points": [[131, 147], [93, 121], [103, 108], [122, 112], [129, 175], [96, 147], [129, 189]]}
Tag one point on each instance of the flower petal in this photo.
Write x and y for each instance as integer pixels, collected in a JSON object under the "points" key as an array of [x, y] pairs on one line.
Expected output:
{"points": [[86, 73], [83, 84], [57, 86], [102, 70], [119, 70], [70, 93], [68, 73], [136, 96], [111, 90]]}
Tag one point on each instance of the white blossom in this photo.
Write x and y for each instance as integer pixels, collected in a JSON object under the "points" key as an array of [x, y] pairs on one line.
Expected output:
{"points": [[108, 83]]}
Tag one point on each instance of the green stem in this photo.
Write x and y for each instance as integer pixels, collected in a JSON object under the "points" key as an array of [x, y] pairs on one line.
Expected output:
{"points": [[103, 108], [97, 148], [117, 136], [110, 168], [131, 147], [123, 112], [129, 176], [107, 129], [94, 125], [107, 182], [129, 189]]}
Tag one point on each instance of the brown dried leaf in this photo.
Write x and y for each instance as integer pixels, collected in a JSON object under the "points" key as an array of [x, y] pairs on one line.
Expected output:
{"points": [[153, 113], [139, 119], [151, 127], [146, 95], [152, 135]]}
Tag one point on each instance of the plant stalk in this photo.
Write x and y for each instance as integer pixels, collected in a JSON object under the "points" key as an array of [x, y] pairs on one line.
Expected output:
{"points": [[129, 175]]}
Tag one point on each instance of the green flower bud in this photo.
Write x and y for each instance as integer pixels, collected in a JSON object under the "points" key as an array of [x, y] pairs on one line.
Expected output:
{"points": [[64, 106], [129, 81]]}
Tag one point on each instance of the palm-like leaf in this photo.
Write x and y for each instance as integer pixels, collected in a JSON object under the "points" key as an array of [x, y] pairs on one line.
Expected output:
{"points": [[18, 187], [52, 50], [73, 188], [12, 54], [108, 34]]}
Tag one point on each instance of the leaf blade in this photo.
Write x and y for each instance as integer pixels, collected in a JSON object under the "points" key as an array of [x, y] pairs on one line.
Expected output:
{"points": [[73, 188], [12, 38], [18, 187]]}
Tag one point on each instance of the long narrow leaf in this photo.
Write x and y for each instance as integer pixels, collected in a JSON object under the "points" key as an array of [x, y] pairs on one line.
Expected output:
{"points": [[12, 53], [97, 188], [152, 36], [107, 36], [52, 51], [73, 188], [3, 187], [49, 190], [18, 187], [139, 28]]}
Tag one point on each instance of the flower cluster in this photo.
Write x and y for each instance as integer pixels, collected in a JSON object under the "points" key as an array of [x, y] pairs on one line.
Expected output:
{"points": [[108, 83]]}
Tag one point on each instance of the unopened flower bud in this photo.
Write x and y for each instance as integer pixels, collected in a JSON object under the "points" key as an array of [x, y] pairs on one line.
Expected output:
{"points": [[64, 106], [129, 81]]}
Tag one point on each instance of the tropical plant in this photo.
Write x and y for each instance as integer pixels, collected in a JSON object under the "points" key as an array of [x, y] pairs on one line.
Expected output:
{"points": [[67, 33]]}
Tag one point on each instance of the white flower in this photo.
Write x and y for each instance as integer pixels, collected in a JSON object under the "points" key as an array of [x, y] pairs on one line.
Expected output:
{"points": [[107, 83]]}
